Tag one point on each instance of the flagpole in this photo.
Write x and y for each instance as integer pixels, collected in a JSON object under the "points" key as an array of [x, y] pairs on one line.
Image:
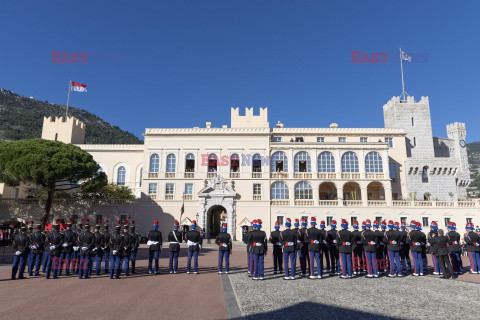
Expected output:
{"points": [[401, 68], [68, 99]]}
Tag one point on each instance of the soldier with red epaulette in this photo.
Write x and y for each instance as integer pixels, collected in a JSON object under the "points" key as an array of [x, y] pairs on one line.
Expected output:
{"points": [[472, 241], [357, 249], [289, 243], [454, 247], [333, 249], [303, 248], [276, 241], [315, 240], [369, 239], [344, 243]]}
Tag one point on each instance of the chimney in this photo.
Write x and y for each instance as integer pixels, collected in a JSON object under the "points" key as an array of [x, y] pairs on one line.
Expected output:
{"points": [[208, 125]]}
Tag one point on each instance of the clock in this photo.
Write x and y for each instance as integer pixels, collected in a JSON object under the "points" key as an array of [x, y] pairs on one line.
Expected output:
{"points": [[462, 143]]}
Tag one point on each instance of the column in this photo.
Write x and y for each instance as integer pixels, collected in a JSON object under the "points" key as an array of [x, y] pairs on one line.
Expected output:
{"points": [[316, 196], [202, 215], [315, 164], [338, 165], [388, 195], [291, 164], [291, 194], [364, 194], [386, 164], [340, 194], [361, 164]]}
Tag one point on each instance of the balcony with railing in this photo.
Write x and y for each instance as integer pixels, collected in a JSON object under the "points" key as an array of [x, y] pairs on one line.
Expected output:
{"points": [[257, 197], [325, 175], [304, 203], [377, 203], [189, 175], [188, 196], [169, 197], [169, 175], [234, 175], [328, 203], [211, 174], [153, 174], [256, 175], [374, 176], [280, 202], [302, 175], [350, 176], [352, 203], [279, 175], [152, 196]]}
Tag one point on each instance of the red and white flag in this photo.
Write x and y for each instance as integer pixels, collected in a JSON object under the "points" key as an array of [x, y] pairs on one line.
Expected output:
{"points": [[75, 86]]}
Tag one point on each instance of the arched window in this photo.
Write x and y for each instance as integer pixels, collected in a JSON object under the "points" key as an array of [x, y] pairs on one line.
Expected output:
{"points": [[234, 163], [303, 191], [212, 163], [154, 163], [190, 163], [425, 174], [257, 163], [171, 162], [279, 191], [326, 162], [279, 162], [121, 174], [302, 162], [373, 162], [349, 162]]}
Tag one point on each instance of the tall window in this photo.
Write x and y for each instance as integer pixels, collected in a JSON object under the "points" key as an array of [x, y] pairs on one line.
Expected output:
{"points": [[212, 163], [302, 162], [279, 191], [447, 221], [329, 220], [190, 163], [188, 188], [141, 178], [280, 220], [152, 188], [320, 139], [326, 162], [373, 162], [342, 139], [257, 191], [121, 174], [393, 171], [277, 139], [234, 163], [257, 163], [154, 163], [425, 175], [390, 142], [303, 191], [279, 162], [425, 222], [363, 139], [169, 190], [349, 162], [171, 162]]}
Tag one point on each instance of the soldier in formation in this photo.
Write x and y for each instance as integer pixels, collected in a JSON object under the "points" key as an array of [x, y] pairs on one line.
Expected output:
{"points": [[224, 242]]}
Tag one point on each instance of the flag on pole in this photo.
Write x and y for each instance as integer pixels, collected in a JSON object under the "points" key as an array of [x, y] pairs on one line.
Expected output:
{"points": [[75, 86], [405, 56]]}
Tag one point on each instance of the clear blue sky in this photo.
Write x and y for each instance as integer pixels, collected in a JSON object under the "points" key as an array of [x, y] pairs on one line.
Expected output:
{"points": [[181, 63]]}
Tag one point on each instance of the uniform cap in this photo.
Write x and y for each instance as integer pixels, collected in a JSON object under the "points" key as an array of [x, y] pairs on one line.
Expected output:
{"points": [[155, 223], [375, 223], [384, 224], [470, 226], [26, 223], [288, 223], [390, 224], [259, 221], [277, 225], [334, 223], [434, 225], [322, 224], [313, 221], [224, 225], [304, 222], [297, 223]]}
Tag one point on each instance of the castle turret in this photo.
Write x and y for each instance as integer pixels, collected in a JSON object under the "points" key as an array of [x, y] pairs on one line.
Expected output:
{"points": [[249, 120], [64, 129]]}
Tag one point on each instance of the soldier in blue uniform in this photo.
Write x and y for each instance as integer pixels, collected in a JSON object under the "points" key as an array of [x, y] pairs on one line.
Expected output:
{"points": [[314, 243], [97, 252], [54, 247], [324, 246], [21, 245], [303, 249], [127, 249], [431, 234], [175, 238], [392, 240], [405, 250], [116, 245], [259, 249], [344, 243], [194, 243], [106, 246], [370, 239], [415, 239], [275, 240], [86, 242], [246, 240], [224, 242], [30, 253], [37, 246], [76, 248], [357, 249], [472, 241], [289, 243], [454, 247], [154, 243], [67, 248], [333, 249], [135, 245]]}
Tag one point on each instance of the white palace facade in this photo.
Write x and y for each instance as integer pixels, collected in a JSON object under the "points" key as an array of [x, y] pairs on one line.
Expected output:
{"points": [[250, 170]]}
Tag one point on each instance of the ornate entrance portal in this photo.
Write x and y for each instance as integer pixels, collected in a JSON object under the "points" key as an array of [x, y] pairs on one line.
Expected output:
{"points": [[217, 206]]}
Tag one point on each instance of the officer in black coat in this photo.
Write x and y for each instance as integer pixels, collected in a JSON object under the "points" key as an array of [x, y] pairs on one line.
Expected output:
{"points": [[54, 248], [97, 252], [416, 240], [454, 247], [154, 243], [324, 251], [224, 242], [135, 245], [116, 247], [440, 244], [369, 239], [433, 229], [175, 238], [37, 246], [405, 249], [106, 246], [67, 248], [333, 249], [357, 249], [303, 249], [289, 243], [259, 249], [380, 247], [314, 245], [344, 243], [247, 241], [30, 253], [86, 242], [21, 245], [277, 249], [194, 243], [472, 241], [392, 240], [128, 243]]}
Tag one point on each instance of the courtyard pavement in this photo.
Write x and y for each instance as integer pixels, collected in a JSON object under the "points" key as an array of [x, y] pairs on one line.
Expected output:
{"points": [[235, 296]]}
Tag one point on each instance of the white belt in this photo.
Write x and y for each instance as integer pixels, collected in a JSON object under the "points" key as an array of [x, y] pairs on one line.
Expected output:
{"points": [[191, 243], [223, 245], [173, 242], [334, 241], [289, 244], [278, 243], [316, 241], [149, 243], [393, 242]]}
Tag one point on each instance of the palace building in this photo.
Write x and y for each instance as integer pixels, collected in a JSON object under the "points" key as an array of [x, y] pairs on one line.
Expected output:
{"points": [[250, 170]]}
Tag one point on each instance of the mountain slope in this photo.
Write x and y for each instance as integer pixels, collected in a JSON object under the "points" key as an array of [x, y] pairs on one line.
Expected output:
{"points": [[22, 118]]}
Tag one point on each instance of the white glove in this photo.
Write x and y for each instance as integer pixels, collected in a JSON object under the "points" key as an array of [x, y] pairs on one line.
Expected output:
{"points": [[18, 253], [65, 245], [33, 247], [52, 247], [95, 249], [75, 248], [125, 248], [84, 248], [114, 252]]}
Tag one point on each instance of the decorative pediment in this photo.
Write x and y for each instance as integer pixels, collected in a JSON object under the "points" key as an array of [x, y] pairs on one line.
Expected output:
{"points": [[245, 222], [186, 222], [217, 187]]}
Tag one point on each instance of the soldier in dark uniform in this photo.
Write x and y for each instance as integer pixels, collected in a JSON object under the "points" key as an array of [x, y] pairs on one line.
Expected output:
{"points": [[194, 243], [37, 246], [116, 245], [224, 242], [440, 245], [154, 242], [106, 246], [298, 253], [369, 239], [21, 245], [259, 239], [76, 247], [303, 249], [344, 243], [97, 252], [54, 247], [454, 247], [314, 244], [86, 242], [175, 238], [135, 245], [357, 249], [67, 248], [379, 245], [127, 249], [277, 249], [433, 230], [392, 240], [333, 249], [30, 252], [415, 239], [46, 253], [246, 240], [289, 243], [405, 249], [472, 241], [324, 252]]}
